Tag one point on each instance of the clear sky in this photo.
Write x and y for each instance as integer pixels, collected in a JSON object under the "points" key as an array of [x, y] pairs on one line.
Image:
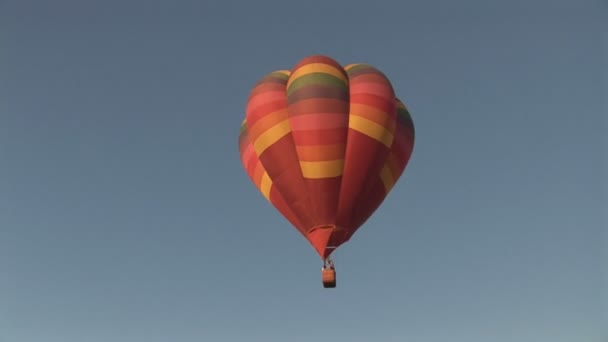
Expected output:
{"points": [[125, 214]]}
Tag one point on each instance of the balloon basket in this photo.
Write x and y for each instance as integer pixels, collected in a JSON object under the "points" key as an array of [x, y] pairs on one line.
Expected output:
{"points": [[328, 276]]}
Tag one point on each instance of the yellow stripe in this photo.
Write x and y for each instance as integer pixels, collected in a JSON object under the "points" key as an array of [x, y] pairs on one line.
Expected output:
{"points": [[270, 136], [387, 178], [265, 186], [371, 129], [322, 169], [317, 67]]}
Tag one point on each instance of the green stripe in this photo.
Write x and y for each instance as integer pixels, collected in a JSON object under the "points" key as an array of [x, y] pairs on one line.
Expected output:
{"points": [[359, 67], [362, 69], [243, 128], [403, 116], [273, 77], [316, 78]]}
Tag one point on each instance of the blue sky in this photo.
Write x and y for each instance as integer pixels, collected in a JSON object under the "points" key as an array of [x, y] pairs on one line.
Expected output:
{"points": [[125, 214]]}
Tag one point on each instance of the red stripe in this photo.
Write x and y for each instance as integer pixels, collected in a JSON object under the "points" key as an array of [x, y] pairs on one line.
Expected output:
{"points": [[265, 97], [255, 114], [383, 103], [318, 105], [320, 137], [318, 121], [375, 88]]}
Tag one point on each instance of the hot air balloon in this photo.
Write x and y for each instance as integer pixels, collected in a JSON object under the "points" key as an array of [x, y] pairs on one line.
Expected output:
{"points": [[325, 144]]}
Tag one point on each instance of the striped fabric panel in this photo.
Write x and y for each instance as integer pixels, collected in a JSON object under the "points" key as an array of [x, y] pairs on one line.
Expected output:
{"points": [[254, 168], [260, 178], [317, 96], [401, 148], [267, 111], [271, 136], [371, 132], [371, 105], [392, 170]]}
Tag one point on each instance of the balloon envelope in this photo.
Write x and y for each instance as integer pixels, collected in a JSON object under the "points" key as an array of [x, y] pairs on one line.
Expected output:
{"points": [[325, 144]]}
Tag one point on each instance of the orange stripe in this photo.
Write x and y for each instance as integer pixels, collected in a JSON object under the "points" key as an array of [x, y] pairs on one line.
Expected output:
{"points": [[266, 122], [387, 179], [381, 103], [251, 161], [379, 87], [373, 114], [271, 136], [258, 172], [321, 152], [247, 154], [255, 114]]}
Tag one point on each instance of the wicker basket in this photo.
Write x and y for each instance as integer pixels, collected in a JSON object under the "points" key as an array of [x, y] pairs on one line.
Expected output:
{"points": [[328, 275]]}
